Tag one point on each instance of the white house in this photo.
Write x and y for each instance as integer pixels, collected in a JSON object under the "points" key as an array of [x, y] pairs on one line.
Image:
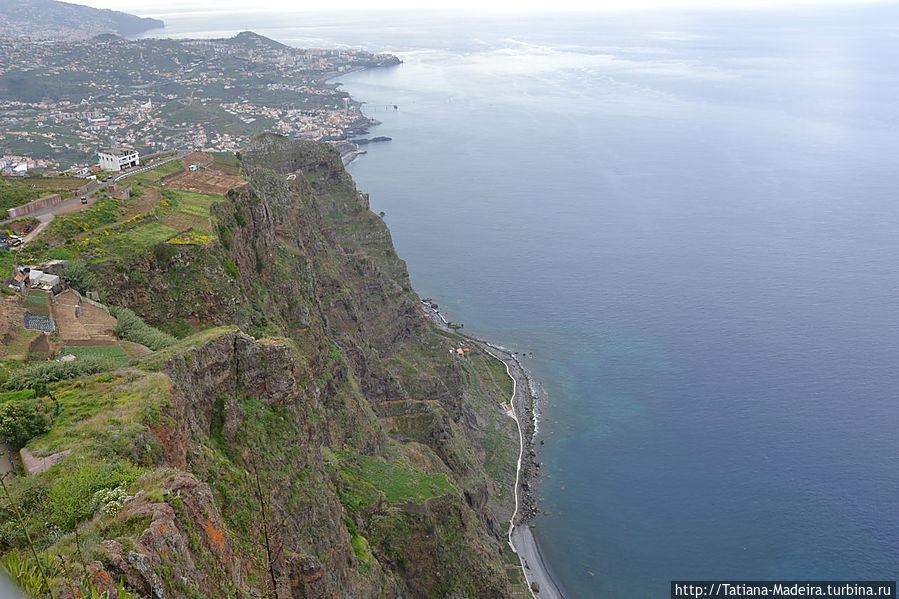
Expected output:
{"points": [[39, 278], [116, 159]]}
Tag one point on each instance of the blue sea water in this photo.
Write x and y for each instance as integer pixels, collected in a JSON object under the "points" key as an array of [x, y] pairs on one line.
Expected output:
{"points": [[691, 220]]}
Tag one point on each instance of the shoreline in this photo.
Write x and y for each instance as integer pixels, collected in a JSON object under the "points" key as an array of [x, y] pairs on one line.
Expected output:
{"points": [[521, 538], [522, 409], [350, 155]]}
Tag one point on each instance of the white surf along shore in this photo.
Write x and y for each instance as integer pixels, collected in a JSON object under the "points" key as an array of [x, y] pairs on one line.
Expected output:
{"points": [[522, 407], [521, 539]]}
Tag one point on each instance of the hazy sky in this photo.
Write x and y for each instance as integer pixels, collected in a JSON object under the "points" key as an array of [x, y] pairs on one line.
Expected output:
{"points": [[164, 6]]}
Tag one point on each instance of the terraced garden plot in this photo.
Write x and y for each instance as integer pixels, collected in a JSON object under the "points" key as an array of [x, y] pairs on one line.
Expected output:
{"points": [[147, 235], [103, 212], [155, 175], [213, 181], [143, 199], [36, 302], [191, 211], [36, 296], [18, 346], [114, 352], [17, 192], [68, 326], [401, 482]]}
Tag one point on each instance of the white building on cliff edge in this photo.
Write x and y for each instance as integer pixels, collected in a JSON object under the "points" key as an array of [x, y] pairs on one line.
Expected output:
{"points": [[116, 159]]}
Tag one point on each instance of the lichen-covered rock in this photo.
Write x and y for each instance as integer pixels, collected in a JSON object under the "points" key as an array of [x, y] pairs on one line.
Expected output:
{"points": [[185, 548]]}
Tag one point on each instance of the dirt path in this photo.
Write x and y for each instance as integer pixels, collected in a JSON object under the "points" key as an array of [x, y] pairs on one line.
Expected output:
{"points": [[45, 220], [148, 198]]}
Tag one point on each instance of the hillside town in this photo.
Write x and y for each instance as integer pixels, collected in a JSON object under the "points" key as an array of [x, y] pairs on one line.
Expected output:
{"points": [[61, 101]]}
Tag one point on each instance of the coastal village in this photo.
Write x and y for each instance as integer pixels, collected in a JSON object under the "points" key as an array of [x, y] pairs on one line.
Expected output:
{"points": [[62, 100]]}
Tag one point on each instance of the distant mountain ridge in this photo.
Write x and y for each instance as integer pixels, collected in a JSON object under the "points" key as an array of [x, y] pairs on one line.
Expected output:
{"points": [[54, 20]]}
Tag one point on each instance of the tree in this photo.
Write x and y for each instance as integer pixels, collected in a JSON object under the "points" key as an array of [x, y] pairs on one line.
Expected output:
{"points": [[22, 420], [79, 276]]}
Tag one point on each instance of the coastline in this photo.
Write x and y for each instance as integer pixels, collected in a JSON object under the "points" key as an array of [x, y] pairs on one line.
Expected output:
{"points": [[522, 409], [349, 156]]}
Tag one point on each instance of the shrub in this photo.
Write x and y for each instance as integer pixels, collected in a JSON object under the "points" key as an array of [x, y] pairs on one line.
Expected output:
{"points": [[20, 421], [78, 276], [178, 328], [110, 501], [163, 253], [231, 269], [225, 236], [131, 327], [50, 372], [71, 495]]}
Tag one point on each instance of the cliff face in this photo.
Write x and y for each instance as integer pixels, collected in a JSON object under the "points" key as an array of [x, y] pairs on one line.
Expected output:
{"points": [[321, 442]]}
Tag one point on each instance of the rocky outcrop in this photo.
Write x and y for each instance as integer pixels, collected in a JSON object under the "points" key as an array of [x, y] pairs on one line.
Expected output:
{"points": [[185, 549]]}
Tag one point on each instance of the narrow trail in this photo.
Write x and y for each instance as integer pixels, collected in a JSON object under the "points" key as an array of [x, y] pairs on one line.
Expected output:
{"points": [[45, 220]]}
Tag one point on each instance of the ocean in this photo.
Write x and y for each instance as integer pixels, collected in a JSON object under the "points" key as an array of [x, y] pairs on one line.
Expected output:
{"points": [[691, 221]]}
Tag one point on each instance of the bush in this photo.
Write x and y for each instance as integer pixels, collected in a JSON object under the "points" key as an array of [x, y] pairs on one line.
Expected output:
{"points": [[110, 501], [50, 372], [71, 495], [178, 328], [225, 236], [20, 421], [78, 276], [231, 269], [163, 253], [131, 327], [53, 503]]}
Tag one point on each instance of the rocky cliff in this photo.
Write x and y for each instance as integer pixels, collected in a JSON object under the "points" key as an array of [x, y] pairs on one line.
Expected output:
{"points": [[316, 438]]}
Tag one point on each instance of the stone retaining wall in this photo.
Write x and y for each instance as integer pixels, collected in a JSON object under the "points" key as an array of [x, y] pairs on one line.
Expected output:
{"points": [[34, 206]]}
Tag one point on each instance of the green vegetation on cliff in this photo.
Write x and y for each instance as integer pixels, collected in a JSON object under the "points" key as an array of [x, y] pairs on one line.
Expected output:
{"points": [[316, 437]]}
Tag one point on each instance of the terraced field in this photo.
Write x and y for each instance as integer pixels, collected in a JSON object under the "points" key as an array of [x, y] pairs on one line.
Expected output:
{"points": [[115, 352]]}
